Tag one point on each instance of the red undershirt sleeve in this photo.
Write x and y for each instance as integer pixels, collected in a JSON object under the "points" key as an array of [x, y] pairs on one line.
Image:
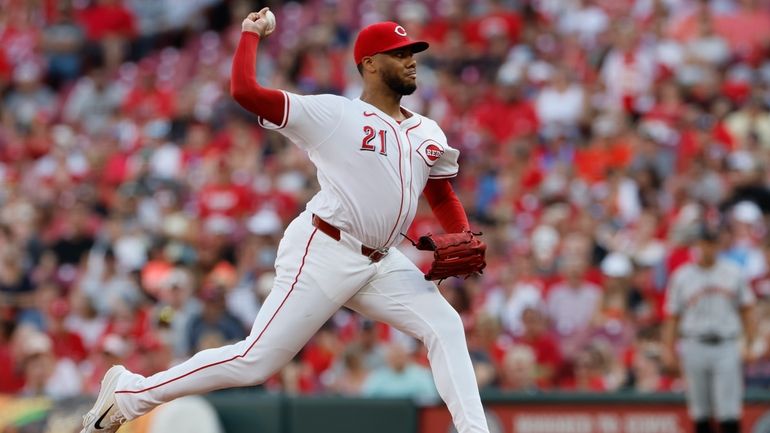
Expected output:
{"points": [[446, 206], [266, 103]]}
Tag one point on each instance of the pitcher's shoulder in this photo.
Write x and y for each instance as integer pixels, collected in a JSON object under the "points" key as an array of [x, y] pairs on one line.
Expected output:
{"points": [[432, 127]]}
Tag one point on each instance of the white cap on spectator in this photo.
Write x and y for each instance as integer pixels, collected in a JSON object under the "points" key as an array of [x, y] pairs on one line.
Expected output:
{"points": [[544, 241], [412, 12], [63, 135], [509, 74], [540, 71], [36, 343], [264, 222], [178, 278], [27, 72], [741, 161], [651, 254], [219, 224], [176, 225], [616, 265], [115, 345], [747, 212]]}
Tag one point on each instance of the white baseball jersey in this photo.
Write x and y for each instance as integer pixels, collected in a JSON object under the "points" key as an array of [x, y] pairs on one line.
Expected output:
{"points": [[372, 169], [708, 300]]}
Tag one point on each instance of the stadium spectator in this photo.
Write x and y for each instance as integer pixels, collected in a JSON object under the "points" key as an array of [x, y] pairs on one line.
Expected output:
{"points": [[572, 304], [61, 42], [519, 369], [44, 373], [401, 377], [543, 342], [214, 324], [349, 375]]}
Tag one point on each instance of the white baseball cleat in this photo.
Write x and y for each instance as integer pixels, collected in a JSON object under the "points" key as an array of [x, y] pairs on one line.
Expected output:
{"points": [[105, 417]]}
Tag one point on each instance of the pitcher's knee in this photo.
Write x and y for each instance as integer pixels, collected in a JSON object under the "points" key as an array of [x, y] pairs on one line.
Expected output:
{"points": [[260, 365], [448, 326], [256, 377]]}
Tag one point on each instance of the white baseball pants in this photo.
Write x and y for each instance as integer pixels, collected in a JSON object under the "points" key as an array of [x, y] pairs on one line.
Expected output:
{"points": [[315, 276], [714, 375]]}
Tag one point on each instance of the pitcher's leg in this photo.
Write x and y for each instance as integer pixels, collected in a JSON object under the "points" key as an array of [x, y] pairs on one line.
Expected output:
{"points": [[307, 278], [400, 296], [283, 326]]}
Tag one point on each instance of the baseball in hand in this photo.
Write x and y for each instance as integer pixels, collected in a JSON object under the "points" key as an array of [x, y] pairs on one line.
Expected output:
{"points": [[270, 19]]}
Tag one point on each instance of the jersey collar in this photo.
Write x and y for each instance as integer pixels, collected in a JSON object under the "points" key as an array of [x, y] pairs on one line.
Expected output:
{"points": [[404, 124]]}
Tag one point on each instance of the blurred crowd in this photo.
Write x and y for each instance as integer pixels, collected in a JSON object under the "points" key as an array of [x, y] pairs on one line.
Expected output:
{"points": [[141, 208]]}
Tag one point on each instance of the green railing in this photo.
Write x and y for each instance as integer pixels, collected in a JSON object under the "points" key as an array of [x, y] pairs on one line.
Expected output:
{"points": [[243, 412]]}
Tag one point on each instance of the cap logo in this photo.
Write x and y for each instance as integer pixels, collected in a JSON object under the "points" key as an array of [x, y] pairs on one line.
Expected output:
{"points": [[400, 31]]}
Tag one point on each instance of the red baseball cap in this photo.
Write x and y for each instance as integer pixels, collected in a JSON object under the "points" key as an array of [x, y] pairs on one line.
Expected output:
{"points": [[382, 37]]}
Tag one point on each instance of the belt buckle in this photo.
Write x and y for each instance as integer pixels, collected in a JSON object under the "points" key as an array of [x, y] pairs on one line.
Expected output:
{"points": [[377, 254]]}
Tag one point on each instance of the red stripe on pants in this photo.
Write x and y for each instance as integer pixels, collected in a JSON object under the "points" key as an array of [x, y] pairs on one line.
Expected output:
{"points": [[296, 278]]}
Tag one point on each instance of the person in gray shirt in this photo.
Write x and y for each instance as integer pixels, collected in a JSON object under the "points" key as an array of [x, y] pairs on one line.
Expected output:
{"points": [[709, 304]]}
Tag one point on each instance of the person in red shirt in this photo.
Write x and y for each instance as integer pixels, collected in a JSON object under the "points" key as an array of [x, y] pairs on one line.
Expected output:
{"points": [[321, 353], [499, 21], [108, 19], [648, 376], [588, 372], [66, 344], [147, 100], [222, 198], [543, 343], [11, 381], [506, 115], [109, 26]]}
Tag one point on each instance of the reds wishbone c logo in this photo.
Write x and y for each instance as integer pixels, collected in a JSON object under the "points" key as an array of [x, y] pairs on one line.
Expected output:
{"points": [[400, 31], [430, 151]]}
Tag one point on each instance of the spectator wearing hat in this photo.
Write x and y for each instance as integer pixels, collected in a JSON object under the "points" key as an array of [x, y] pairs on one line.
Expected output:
{"points": [[746, 228], [44, 373], [112, 349], [214, 323], [613, 321], [176, 308]]}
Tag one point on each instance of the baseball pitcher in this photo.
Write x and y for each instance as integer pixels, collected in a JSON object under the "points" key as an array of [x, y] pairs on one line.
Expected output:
{"points": [[374, 160]]}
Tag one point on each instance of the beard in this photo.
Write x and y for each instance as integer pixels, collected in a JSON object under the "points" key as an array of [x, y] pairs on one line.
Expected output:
{"points": [[398, 84]]}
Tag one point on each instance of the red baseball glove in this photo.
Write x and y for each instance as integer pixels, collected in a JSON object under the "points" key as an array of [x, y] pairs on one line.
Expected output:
{"points": [[454, 254]]}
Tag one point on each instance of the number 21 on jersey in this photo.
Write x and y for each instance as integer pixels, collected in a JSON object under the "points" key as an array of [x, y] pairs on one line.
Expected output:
{"points": [[369, 135]]}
